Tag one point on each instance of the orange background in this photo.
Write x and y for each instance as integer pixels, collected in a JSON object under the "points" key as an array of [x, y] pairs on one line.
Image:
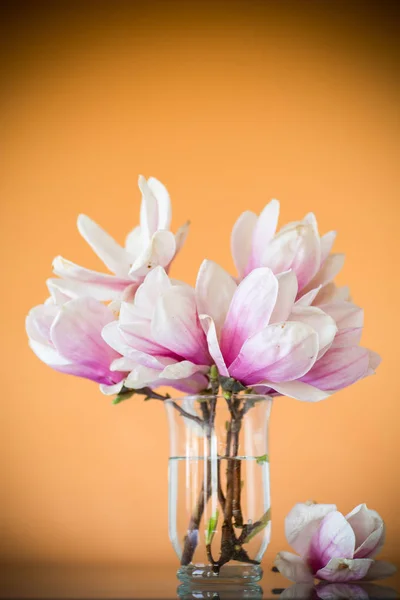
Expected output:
{"points": [[229, 105]]}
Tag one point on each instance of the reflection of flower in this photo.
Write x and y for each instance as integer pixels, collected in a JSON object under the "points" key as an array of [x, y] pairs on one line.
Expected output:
{"points": [[148, 245], [332, 547], [338, 591]]}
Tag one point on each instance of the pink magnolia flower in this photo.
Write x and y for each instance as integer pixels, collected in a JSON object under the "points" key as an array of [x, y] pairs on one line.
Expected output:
{"points": [[332, 547], [160, 337], [260, 335], [67, 337], [147, 246], [296, 246]]}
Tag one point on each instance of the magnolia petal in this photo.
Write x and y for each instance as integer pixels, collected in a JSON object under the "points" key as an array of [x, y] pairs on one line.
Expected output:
{"points": [[112, 254], [110, 390], [264, 232], [242, 239], [287, 292], [192, 385], [97, 285], [280, 352], [327, 242], [48, 355], [331, 267], [182, 370], [299, 391], [76, 334], [345, 569], [153, 287], [141, 377], [374, 362], [62, 293], [148, 209], [293, 567], [176, 326], [330, 292], [249, 312], [322, 323], [161, 194], [308, 298], [159, 251], [214, 291], [346, 314], [134, 242], [296, 248], [369, 530], [338, 368], [114, 336], [334, 538], [302, 522], [39, 321], [311, 219], [138, 335], [380, 569], [213, 344], [181, 235]]}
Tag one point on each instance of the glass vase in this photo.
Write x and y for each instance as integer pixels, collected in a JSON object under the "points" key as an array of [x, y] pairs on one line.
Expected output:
{"points": [[219, 486]]}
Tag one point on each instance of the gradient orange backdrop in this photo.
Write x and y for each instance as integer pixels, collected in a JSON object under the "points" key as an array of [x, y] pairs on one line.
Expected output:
{"points": [[229, 105]]}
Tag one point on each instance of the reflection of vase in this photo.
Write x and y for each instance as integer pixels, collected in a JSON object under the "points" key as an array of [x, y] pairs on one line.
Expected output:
{"points": [[219, 491]]}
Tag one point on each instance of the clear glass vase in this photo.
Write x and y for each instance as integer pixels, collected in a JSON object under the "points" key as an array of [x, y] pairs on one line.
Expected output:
{"points": [[219, 490]]}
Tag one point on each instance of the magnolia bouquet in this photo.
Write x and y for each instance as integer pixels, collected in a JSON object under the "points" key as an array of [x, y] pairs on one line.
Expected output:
{"points": [[280, 327]]}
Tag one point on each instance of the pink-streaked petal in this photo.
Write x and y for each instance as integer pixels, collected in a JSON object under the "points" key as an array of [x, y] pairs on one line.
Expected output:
{"points": [[330, 292], [112, 254], [214, 349], [161, 194], [138, 335], [293, 567], [59, 294], [214, 291], [299, 391], [345, 569], [135, 242], [98, 285], [331, 267], [176, 325], [327, 242], [338, 368], [192, 385], [321, 322], [295, 248], [308, 298], [148, 209], [347, 337], [181, 235], [334, 538], [302, 522], [242, 239], [264, 232], [369, 530], [76, 334], [287, 292], [250, 311], [346, 314], [159, 252], [280, 352], [141, 377], [380, 569]]}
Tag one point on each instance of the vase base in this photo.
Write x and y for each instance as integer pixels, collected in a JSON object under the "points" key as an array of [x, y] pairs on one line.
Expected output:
{"points": [[229, 574]]}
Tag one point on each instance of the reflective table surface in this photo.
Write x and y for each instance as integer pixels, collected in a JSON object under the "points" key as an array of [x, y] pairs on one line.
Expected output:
{"points": [[133, 581]]}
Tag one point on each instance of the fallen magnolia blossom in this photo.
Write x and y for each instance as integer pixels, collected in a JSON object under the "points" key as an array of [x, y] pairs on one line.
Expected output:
{"points": [[148, 245], [332, 547]]}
